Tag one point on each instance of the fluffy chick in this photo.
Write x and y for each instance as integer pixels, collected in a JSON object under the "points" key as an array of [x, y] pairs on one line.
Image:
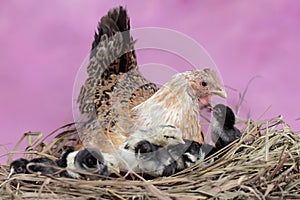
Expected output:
{"points": [[190, 153], [43, 165], [154, 160], [87, 160], [223, 130], [18, 167], [162, 135], [62, 162], [112, 163]]}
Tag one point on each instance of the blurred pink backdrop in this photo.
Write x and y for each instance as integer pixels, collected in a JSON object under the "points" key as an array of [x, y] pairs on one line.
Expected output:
{"points": [[43, 44]]}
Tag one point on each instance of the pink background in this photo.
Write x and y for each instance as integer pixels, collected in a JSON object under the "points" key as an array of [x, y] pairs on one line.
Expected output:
{"points": [[43, 44]]}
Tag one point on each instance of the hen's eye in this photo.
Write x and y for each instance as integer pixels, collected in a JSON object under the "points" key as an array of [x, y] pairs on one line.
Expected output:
{"points": [[204, 84]]}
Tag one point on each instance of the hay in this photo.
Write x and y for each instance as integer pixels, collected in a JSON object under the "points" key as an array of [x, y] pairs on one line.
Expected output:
{"points": [[263, 164]]}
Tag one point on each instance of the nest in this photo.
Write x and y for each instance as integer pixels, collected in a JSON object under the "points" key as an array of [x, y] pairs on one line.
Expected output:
{"points": [[263, 164]]}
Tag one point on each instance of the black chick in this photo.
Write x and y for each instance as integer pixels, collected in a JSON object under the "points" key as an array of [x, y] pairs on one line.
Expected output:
{"points": [[62, 162], [223, 130], [154, 160], [86, 160], [49, 167], [43, 165], [91, 160], [190, 153], [18, 167]]}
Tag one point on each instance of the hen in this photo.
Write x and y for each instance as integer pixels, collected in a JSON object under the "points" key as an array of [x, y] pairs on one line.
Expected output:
{"points": [[117, 100]]}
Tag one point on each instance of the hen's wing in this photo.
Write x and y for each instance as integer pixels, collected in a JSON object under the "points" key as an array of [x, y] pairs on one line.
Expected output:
{"points": [[114, 84]]}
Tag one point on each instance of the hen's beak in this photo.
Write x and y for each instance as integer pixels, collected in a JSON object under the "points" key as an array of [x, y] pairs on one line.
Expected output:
{"points": [[220, 93]]}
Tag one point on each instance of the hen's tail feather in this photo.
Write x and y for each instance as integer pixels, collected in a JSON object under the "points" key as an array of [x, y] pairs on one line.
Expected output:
{"points": [[117, 20], [113, 33], [112, 53]]}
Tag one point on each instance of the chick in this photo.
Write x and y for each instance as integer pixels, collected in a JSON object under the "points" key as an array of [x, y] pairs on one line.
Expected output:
{"points": [[161, 136], [109, 160], [190, 153], [154, 160], [90, 160], [43, 165], [112, 163], [67, 161], [223, 130], [18, 167], [86, 160], [62, 162]]}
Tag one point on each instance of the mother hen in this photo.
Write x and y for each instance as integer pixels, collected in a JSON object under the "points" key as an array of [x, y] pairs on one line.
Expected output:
{"points": [[116, 100]]}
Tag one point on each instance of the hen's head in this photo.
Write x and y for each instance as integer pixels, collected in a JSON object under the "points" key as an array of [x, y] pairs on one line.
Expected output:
{"points": [[203, 84]]}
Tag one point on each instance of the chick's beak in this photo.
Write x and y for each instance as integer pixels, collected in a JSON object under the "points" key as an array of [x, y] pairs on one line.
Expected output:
{"points": [[181, 141], [117, 170], [12, 171], [220, 93]]}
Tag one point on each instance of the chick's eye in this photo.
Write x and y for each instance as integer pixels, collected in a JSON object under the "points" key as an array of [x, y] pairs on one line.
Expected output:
{"points": [[168, 137], [219, 111], [19, 169], [204, 84]]}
